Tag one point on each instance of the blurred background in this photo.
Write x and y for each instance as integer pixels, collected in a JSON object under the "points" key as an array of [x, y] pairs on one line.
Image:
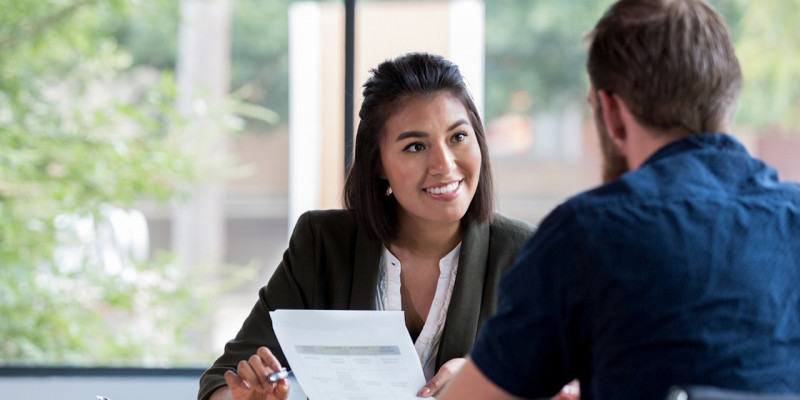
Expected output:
{"points": [[155, 154]]}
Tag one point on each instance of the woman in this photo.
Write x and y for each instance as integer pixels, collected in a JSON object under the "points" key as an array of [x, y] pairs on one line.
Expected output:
{"points": [[418, 233]]}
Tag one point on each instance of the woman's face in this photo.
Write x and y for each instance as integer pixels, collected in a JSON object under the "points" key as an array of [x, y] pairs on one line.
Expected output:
{"points": [[431, 158]]}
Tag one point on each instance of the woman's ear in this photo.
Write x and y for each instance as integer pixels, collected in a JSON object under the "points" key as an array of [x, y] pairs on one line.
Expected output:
{"points": [[612, 107]]}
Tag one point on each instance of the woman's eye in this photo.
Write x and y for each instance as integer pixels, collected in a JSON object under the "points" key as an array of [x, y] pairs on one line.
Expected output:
{"points": [[459, 137], [414, 147]]}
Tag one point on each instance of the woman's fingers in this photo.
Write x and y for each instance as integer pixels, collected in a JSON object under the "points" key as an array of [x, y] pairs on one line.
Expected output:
{"points": [[438, 381], [259, 370], [235, 382], [250, 378], [269, 359], [281, 390], [245, 371]]}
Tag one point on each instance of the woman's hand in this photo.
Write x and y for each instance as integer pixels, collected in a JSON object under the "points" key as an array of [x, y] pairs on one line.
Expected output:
{"points": [[438, 381], [250, 380], [570, 391]]}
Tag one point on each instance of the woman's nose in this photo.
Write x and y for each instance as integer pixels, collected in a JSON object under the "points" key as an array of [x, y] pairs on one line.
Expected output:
{"points": [[441, 160]]}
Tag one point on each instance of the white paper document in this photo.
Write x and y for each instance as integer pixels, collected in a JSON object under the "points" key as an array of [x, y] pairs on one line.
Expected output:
{"points": [[350, 355]]}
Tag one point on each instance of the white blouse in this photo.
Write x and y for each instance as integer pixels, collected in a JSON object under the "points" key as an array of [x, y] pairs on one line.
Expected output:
{"points": [[388, 298]]}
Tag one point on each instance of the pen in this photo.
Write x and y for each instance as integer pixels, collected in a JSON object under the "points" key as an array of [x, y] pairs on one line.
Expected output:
{"points": [[276, 376]]}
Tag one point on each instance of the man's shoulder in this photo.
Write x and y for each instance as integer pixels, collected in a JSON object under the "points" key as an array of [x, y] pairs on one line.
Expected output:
{"points": [[613, 194], [645, 186]]}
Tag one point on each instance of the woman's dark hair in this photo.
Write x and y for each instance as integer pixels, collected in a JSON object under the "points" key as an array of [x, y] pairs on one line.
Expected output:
{"points": [[393, 82]]}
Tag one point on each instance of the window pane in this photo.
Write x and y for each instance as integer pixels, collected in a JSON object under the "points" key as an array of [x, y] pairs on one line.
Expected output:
{"points": [[141, 211]]}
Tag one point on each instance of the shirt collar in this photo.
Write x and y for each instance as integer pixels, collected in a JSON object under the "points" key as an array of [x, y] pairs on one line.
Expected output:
{"points": [[719, 141], [446, 263]]}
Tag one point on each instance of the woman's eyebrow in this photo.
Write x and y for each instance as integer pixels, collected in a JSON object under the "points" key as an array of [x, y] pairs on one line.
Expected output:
{"points": [[410, 134], [416, 134], [458, 123]]}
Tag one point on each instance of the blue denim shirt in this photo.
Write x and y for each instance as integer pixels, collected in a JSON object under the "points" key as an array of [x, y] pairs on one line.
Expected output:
{"points": [[685, 271]]}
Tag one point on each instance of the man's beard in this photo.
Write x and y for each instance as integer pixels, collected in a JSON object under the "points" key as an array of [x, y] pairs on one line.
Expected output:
{"points": [[614, 163]]}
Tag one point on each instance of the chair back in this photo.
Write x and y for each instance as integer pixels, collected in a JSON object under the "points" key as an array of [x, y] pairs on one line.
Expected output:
{"points": [[690, 392]]}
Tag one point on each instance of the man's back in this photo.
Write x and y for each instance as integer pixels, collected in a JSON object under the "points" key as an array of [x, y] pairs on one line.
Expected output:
{"points": [[686, 270], [696, 272]]}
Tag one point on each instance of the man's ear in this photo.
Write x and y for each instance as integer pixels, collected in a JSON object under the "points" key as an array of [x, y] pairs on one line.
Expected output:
{"points": [[612, 116]]}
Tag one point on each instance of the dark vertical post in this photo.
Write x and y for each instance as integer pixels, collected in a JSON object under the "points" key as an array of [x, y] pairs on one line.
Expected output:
{"points": [[349, 84]]}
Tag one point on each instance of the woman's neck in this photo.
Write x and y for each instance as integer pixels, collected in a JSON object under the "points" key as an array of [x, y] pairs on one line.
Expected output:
{"points": [[428, 240]]}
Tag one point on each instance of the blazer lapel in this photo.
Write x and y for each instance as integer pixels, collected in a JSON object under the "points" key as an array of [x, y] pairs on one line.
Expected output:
{"points": [[463, 313], [365, 273]]}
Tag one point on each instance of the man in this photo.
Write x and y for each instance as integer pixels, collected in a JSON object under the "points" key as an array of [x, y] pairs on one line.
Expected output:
{"points": [[684, 268]]}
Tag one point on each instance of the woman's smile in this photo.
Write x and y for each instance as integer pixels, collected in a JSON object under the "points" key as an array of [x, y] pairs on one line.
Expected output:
{"points": [[444, 191]]}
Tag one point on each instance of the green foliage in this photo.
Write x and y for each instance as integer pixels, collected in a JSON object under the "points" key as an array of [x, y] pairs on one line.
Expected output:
{"points": [[535, 56], [536, 49], [260, 56], [259, 51], [149, 32], [77, 137], [141, 315], [767, 37]]}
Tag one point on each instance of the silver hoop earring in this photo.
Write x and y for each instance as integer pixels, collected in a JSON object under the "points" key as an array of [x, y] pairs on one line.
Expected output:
{"points": [[388, 190]]}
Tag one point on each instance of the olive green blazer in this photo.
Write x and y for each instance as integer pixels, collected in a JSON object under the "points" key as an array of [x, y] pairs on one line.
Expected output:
{"points": [[330, 264]]}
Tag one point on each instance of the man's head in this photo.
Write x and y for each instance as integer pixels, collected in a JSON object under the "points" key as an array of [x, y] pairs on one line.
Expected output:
{"points": [[670, 61]]}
